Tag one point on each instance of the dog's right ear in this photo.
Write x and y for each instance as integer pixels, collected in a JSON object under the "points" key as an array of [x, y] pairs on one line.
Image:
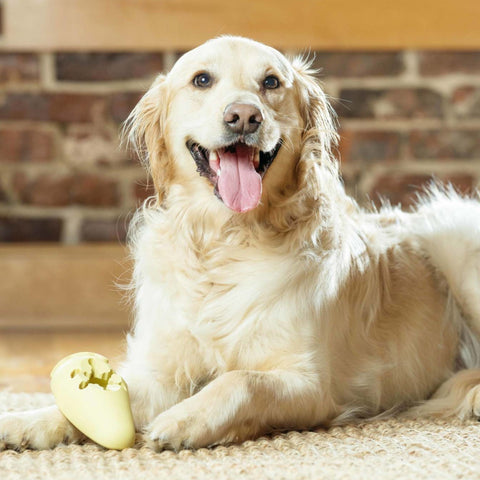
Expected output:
{"points": [[144, 132]]}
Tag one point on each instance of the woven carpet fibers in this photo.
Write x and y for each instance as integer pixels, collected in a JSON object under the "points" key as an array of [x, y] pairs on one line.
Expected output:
{"points": [[388, 449]]}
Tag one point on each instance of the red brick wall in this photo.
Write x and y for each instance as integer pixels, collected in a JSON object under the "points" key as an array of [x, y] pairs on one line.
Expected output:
{"points": [[403, 117]]}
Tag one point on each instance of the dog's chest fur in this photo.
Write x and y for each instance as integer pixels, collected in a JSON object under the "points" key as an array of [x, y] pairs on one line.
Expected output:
{"points": [[244, 298]]}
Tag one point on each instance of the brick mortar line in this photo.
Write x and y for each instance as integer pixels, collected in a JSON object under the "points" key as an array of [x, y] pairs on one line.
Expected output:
{"points": [[8, 185], [70, 233], [126, 192], [411, 63], [42, 211], [24, 87], [449, 112], [47, 69], [169, 59], [34, 211], [100, 87]]}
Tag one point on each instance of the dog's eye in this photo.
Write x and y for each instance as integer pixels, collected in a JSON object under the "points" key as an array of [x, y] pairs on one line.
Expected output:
{"points": [[271, 82], [202, 80]]}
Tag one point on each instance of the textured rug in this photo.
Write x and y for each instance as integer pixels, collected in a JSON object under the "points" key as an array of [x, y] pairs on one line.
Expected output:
{"points": [[387, 449]]}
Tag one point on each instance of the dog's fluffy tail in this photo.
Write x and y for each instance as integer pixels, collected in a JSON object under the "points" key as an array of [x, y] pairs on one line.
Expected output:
{"points": [[448, 228], [458, 397]]}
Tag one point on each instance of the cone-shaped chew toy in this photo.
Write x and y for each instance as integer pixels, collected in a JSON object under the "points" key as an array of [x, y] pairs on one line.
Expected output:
{"points": [[94, 398]]}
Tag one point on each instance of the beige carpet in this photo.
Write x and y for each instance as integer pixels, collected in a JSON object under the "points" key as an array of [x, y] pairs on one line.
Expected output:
{"points": [[382, 450]]}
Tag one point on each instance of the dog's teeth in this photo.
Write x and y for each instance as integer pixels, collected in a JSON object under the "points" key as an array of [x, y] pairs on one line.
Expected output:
{"points": [[214, 161], [256, 159]]}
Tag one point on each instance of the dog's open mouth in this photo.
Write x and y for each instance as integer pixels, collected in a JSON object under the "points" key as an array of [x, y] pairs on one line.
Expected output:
{"points": [[236, 171]]}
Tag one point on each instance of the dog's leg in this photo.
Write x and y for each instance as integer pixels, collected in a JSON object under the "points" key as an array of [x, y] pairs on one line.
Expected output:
{"points": [[161, 375], [149, 396], [40, 428], [238, 405]]}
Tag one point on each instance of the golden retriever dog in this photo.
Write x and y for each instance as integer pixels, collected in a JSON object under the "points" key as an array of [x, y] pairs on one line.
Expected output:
{"points": [[266, 299]]}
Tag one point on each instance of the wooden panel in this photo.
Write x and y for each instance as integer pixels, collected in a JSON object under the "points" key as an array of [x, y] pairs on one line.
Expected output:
{"points": [[62, 287], [180, 24]]}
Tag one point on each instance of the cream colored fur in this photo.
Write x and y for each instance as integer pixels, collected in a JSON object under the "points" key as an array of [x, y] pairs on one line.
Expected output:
{"points": [[305, 311]]}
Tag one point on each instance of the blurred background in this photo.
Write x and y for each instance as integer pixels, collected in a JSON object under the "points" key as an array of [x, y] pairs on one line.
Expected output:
{"points": [[404, 80]]}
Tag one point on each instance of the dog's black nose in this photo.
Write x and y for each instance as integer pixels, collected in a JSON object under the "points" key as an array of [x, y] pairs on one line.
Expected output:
{"points": [[242, 118]]}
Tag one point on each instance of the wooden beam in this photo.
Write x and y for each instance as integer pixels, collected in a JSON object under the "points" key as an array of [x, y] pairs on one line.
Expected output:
{"points": [[56, 287], [127, 25]]}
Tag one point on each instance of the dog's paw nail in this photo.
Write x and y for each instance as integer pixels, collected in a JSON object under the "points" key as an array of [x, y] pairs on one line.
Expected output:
{"points": [[156, 444]]}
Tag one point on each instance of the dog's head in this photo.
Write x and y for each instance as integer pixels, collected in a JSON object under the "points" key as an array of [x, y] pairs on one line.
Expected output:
{"points": [[232, 120]]}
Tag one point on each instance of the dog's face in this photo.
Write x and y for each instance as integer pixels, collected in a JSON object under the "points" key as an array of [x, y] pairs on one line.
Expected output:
{"points": [[234, 104], [228, 120]]}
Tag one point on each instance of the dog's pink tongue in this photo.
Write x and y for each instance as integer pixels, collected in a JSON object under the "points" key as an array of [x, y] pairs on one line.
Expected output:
{"points": [[239, 184]]}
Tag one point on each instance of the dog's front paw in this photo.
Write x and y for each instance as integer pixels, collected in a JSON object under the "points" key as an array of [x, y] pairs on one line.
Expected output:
{"points": [[39, 429], [176, 429]]}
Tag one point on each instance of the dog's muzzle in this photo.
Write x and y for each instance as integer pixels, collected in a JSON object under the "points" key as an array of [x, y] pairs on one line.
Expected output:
{"points": [[236, 170]]}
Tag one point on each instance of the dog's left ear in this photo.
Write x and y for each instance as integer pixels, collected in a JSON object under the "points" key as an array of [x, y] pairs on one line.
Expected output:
{"points": [[320, 133], [144, 133]]}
